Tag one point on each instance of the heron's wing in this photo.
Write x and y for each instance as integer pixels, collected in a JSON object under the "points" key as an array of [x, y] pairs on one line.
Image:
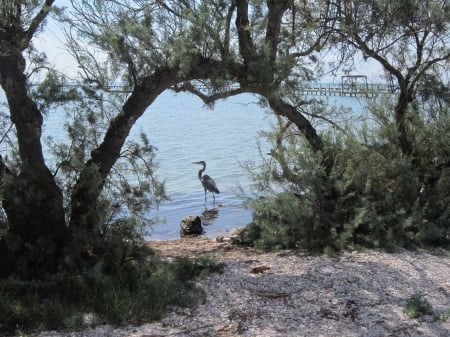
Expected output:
{"points": [[210, 184]]}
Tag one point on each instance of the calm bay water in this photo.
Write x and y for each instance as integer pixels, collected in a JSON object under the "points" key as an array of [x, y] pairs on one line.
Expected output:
{"points": [[184, 130]]}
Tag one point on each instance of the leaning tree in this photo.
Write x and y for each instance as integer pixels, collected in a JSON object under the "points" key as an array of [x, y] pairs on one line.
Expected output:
{"points": [[228, 47], [32, 200], [133, 41], [408, 38]]}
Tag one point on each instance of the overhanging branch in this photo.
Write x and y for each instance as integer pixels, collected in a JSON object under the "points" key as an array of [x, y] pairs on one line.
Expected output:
{"points": [[45, 9], [207, 98]]}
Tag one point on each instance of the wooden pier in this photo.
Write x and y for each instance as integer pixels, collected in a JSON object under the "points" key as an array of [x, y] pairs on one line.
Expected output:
{"points": [[351, 85], [332, 89]]}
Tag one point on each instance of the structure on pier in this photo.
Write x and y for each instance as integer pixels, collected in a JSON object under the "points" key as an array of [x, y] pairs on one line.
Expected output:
{"points": [[354, 84]]}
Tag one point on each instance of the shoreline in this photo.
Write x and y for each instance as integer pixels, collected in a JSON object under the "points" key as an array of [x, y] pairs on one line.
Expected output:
{"points": [[288, 293]]}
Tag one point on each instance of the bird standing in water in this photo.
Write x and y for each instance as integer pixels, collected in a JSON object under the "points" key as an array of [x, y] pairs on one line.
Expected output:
{"points": [[207, 182]]}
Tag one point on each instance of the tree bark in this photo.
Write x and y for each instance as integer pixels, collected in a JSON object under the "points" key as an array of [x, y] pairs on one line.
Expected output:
{"points": [[246, 46], [88, 187], [85, 194], [282, 108], [263, 84], [404, 138], [32, 200]]}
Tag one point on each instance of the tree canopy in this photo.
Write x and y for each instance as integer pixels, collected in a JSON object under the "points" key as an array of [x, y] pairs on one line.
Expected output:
{"points": [[75, 220], [213, 49]]}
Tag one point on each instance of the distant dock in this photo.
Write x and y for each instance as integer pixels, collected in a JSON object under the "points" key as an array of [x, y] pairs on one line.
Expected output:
{"points": [[333, 89], [351, 85]]}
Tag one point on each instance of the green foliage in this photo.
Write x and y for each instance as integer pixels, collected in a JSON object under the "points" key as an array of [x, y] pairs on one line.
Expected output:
{"points": [[115, 224], [442, 315], [417, 306], [137, 293], [36, 304], [131, 188], [187, 268], [53, 91], [173, 286], [372, 196]]}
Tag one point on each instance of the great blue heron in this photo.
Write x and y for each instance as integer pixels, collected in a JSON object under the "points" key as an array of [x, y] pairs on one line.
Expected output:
{"points": [[207, 182]]}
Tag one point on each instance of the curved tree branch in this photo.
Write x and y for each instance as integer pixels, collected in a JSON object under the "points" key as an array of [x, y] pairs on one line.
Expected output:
{"points": [[37, 20]]}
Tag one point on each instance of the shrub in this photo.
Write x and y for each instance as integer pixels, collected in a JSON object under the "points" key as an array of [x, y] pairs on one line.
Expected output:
{"points": [[140, 292], [417, 306], [370, 196], [442, 315]]}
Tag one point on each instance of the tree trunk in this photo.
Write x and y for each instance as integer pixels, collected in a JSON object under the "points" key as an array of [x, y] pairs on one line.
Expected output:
{"points": [[84, 215], [87, 189], [282, 108], [32, 200], [263, 81], [404, 140], [288, 111]]}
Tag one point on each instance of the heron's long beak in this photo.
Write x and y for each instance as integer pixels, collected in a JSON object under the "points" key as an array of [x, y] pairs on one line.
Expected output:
{"points": [[196, 162]]}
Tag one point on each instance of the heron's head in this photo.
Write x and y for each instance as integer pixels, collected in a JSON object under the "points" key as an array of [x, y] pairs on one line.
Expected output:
{"points": [[201, 162]]}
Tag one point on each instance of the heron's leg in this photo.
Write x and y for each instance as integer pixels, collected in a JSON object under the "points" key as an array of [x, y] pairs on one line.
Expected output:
{"points": [[205, 196], [214, 198]]}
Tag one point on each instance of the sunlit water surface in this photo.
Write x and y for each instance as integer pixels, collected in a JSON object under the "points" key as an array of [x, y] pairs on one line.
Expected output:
{"points": [[184, 130]]}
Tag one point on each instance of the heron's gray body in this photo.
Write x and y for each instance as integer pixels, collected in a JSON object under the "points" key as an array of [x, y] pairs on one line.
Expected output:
{"points": [[208, 183]]}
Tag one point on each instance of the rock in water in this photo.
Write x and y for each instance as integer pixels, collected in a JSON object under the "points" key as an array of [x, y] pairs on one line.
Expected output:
{"points": [[191, 225]]}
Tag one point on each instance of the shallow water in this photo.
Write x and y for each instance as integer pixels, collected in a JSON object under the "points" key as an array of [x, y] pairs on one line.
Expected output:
{"points": [[184, 130]]}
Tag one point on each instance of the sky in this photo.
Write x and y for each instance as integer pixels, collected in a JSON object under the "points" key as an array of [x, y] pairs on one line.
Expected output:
{"points": [[51, 41]]}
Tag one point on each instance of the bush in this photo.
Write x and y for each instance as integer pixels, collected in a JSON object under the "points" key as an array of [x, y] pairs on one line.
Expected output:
{"points": [[371, 196], [417, 306], [141, 292]]}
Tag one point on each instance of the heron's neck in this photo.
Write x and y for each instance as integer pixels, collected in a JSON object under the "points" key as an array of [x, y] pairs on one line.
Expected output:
{"points": [[201, 171]]}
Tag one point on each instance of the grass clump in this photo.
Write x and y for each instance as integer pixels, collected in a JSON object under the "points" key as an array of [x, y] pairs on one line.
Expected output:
{"points": [[143, 293], [417, 305], [442, 315]]}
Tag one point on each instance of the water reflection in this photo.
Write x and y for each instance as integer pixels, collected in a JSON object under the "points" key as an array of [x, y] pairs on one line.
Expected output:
{"points": [[219, 219], [210, 215]]}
